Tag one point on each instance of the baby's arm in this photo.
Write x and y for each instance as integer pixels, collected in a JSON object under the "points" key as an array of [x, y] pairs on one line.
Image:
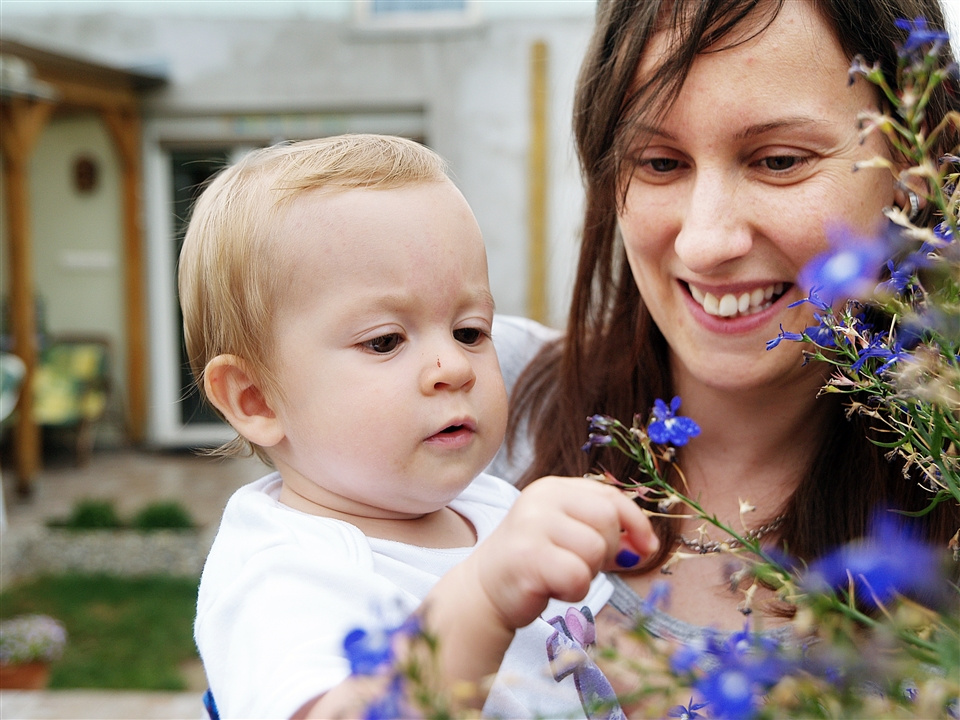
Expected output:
{"points": [[558, 535]]}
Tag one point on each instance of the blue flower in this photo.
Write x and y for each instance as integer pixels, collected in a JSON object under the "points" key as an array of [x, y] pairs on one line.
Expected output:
{"points": [[729, 693], [850, 269], [658, 597], [921, 34], [878, 348], [390, 705], [600, 426], [686, 658], [668, 427], [784, 335], [368, 652], [746, 666], [688, 711], [887, 563]]}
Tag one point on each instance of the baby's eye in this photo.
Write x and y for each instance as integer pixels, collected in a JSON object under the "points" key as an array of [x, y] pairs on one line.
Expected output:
{"points": [[468, 336], [384, 344]]}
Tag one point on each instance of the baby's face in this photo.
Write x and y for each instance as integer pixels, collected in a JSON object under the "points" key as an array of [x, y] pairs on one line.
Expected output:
{"points": [[393, 395]]}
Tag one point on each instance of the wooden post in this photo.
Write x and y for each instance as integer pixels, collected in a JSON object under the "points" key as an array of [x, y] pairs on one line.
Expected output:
{"points": [[124, 127], [21, 122], [537, 184]]}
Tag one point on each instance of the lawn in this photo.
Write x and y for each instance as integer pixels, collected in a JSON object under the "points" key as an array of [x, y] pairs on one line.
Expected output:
{"points": [[124, 633]]}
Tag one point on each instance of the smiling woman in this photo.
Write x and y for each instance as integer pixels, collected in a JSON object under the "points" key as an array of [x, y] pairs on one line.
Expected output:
{"points": [[718, 141]]}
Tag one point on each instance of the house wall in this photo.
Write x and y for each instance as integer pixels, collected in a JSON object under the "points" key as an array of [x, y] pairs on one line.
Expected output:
{"points": [[245, 74]]}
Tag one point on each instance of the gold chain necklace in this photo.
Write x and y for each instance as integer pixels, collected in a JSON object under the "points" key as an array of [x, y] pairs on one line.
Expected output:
{"points": [[711, 546]]}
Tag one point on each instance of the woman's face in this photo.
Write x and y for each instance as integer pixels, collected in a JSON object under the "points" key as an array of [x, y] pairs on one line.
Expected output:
{"points": [[732, 195]]}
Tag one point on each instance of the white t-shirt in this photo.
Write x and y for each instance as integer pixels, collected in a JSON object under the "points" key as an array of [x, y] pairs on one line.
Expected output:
{"points": [[281, 589]]}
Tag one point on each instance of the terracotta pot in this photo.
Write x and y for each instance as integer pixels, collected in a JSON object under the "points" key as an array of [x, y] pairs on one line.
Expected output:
{"points": [[24, 676]]}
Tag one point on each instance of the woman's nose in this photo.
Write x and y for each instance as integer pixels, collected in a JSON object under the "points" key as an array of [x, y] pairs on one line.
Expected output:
{"points": [[714, 227], [448, 368]]}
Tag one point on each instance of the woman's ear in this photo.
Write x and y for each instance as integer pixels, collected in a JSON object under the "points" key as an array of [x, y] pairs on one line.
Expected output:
{"points": [[233, 391]]}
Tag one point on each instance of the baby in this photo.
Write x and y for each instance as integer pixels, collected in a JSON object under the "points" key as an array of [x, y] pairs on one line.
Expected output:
{"points": [[338, 314]]}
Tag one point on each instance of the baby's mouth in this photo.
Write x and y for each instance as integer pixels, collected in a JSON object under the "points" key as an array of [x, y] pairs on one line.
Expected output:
{"points": [[740, 304]]}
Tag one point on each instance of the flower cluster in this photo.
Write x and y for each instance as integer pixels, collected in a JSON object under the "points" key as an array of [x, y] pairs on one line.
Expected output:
{"points": [[31, 638], [888, 307]]}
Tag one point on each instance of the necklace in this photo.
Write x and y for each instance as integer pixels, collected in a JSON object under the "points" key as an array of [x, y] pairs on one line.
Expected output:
{"points": [[711, 546]]}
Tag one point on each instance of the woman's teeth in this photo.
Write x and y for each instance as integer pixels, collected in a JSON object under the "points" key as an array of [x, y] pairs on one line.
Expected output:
{"points": [[730, 305]]}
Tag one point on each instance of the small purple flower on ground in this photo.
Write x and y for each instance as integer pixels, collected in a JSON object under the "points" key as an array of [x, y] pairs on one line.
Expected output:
{"points": [[669, 428]]}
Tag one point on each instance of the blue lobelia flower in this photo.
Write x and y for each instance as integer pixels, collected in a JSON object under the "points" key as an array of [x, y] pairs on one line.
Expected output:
{"points": [[600, 436], [850, 269], [879, 348], [747, 665], [730, 693], [390, 705], [688, 711], [921, 34], [669, 428], [887, 563], [784, 335], [367, 651]]}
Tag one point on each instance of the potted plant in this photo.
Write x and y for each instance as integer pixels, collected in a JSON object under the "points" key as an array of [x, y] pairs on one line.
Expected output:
{"points": [[28, 644]]}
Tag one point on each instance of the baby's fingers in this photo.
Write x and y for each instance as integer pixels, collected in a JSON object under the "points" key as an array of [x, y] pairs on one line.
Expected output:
{"points": [[637, 539]]}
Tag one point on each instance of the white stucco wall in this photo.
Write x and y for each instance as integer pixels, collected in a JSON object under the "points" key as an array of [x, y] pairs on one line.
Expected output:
{"points": [[241, 74]]}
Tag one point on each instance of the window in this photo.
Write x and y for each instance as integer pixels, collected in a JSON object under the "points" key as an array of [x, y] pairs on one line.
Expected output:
{"points": [[416, 14]]}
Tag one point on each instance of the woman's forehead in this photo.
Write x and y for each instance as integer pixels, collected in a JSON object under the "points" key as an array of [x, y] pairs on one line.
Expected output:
{"points": [[795, 31]]}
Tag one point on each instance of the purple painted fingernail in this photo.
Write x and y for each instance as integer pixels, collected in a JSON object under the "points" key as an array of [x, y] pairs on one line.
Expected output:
{"points": [[627, 559]]}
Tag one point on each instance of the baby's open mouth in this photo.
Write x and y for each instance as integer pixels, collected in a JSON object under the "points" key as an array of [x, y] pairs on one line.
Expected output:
{"points": [[451, 429], [738, 304]]}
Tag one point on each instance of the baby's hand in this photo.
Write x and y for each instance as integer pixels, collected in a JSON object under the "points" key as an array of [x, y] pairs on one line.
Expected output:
{"points": [[558, 535]]}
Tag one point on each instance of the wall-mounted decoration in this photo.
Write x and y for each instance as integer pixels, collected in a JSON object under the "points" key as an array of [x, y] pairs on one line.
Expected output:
{"points": [[86, 174]]}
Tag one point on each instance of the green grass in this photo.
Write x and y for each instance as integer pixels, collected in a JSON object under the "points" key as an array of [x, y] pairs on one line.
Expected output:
{"points": [[123, 633]]}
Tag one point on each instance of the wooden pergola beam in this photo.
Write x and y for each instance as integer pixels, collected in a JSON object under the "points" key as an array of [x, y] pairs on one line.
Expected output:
{"points": [[21, 122], [60, 82], [124, 128]]}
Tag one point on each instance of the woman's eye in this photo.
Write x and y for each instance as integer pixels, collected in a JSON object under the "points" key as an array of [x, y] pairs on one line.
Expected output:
{"points": [[779, 163], [468, 336], [662, 165], [384, 343]]}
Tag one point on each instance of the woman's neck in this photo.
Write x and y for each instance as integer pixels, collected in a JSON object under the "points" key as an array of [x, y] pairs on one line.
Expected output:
{"points": [[754, 445]]}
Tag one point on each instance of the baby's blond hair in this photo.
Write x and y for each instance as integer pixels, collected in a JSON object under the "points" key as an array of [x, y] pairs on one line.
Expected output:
{"points": [[230, 280]]}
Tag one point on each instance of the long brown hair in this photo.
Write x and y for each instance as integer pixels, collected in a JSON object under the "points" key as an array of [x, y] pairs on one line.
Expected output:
{"points": [[613, 358]]}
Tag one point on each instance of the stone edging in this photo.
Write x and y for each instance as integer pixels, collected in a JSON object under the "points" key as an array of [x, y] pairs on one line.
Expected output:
{"points": [[119, 552]]}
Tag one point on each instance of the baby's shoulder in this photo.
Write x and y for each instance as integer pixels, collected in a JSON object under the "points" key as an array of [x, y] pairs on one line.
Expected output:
{"points": [[255, 522]]}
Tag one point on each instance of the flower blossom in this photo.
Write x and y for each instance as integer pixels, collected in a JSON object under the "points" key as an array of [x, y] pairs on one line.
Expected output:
{"points": [[850, 269], [921, 34], [669, 428], [887, 563]]}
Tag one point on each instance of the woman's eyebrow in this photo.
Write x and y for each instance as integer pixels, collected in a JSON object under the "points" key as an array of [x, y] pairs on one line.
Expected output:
{"points": [[790, 123]]}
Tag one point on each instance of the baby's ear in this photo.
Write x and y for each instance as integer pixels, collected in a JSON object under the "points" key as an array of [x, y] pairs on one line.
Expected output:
{"points": [[233, 391]]}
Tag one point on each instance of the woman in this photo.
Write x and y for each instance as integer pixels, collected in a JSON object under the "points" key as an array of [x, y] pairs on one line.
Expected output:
{"points": [[717, 140]]}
